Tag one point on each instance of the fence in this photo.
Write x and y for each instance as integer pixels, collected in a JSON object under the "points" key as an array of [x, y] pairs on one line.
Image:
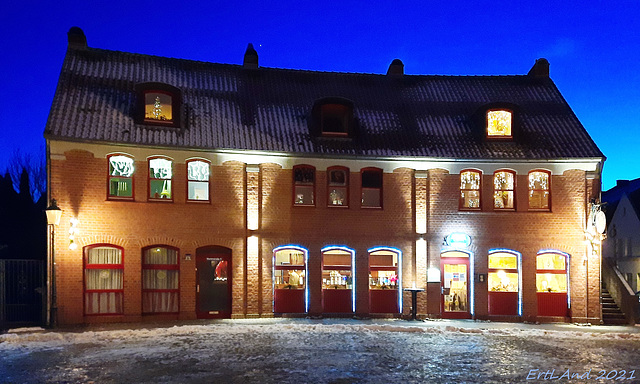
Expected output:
{"points": [[22, 293]]}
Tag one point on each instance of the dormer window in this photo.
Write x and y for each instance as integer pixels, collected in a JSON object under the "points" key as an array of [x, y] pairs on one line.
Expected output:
{"points": [[499, 124], [333, 117], [158, 107], [158, 104]]}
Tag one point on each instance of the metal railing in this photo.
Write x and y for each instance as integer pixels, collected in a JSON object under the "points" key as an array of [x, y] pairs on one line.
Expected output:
{"points": [[22, 292]]}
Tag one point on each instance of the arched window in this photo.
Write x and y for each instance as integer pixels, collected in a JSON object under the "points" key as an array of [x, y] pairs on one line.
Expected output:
{"points": [[198, 180], [539, 190], [338, 186], [470, 187], [504, 283], [304, 185], [504, 183], [103, 280], [290, 290], [552, 283], [120, 178], [160, 175], [160, 279], [371, 187]]}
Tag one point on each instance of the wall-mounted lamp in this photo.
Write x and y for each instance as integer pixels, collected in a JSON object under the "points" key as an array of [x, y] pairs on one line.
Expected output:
{"points": [[73, 231]]}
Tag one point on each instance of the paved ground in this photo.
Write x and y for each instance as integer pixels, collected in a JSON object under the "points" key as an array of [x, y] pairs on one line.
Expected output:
{"points": [[323, 351]]}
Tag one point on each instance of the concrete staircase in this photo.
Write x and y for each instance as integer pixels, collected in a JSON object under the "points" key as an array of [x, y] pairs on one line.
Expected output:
{"points": [[611, 313]]}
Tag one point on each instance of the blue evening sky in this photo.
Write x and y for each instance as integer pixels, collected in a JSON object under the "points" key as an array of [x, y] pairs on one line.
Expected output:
{"points": [[593, 48]]}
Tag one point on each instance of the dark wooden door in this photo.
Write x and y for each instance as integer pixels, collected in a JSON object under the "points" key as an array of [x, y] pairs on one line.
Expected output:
{"points": [[213, 283]]}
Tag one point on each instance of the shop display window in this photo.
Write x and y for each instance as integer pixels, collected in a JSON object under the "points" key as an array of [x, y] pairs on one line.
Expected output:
{"points": [[336, 273], [503, 272], [121, 169], [552, 275], [160, 280], [470, 190], [383, 270], [289, 270]]}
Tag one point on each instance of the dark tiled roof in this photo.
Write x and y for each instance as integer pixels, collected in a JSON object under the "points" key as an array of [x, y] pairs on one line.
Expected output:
{"points": [[230, 107], [612, 196]]}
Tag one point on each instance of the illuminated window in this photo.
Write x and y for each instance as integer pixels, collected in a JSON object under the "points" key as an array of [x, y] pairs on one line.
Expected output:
{"points": [[503, 272], [336, 270], [160, 280], [470, 190], [304, 185], [158, 104], [103, 280], [371, 187], [503, 190], [198, 180], [158, 107], [121, 169], [551, 273], [499, 123], [160, 174], [289, 269], [338, 187], [539, 191]]}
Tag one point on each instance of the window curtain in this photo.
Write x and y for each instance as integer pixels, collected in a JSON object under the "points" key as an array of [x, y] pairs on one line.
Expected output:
{"points": [[160, 286], [108, 282]]}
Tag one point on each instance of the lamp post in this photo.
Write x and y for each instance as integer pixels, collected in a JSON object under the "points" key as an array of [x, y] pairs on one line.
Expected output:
{"points": [[53, 219]]}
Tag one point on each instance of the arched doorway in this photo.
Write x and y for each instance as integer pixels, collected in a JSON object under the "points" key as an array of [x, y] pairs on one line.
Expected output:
{"points": [[455, 272], [213, 282]]}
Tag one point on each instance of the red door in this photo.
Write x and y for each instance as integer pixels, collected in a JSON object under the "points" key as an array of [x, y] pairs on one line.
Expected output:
{"points": [[455, 287], [213, 283]]}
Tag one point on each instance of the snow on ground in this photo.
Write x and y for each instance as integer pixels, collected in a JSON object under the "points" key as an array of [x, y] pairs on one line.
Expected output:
{"points": [[306, 351]]}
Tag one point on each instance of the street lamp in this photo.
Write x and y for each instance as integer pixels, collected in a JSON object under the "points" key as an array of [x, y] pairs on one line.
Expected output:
{"points": [[54, 213]]}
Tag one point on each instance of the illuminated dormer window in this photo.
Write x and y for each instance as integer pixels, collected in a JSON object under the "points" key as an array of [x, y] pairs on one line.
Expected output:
{"points": [[158, 107], [158, 104], [499, 124]]}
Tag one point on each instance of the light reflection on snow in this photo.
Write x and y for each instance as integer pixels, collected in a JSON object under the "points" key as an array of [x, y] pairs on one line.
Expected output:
{"points": [[310, 352]]}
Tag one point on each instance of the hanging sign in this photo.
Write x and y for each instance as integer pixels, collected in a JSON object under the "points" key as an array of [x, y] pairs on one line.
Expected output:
{"points": [[458, 240]]}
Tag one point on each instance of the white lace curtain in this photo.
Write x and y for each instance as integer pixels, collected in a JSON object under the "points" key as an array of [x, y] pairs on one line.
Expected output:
{"points": [[104, 280], [160, 286]]}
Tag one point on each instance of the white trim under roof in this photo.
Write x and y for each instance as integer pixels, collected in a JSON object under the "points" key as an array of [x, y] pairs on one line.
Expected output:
{"points": [[288, 160]]}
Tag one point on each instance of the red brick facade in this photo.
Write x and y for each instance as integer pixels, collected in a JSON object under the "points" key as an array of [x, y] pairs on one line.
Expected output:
{"points": [[416, 204]]}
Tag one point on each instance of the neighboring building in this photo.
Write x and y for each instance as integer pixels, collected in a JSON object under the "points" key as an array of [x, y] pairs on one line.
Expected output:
{"points": [[201, 190], [623, 233]]}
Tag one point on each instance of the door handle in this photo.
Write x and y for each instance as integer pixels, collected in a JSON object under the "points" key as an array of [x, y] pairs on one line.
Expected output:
{"points": [[198, 288]]}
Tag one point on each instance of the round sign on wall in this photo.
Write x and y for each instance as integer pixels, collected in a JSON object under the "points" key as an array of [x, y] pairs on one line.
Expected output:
{"points": [[600, 222]]}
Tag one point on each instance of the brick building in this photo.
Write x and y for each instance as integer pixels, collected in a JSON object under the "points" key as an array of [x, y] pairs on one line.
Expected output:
{"points": [[202, 190]]}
